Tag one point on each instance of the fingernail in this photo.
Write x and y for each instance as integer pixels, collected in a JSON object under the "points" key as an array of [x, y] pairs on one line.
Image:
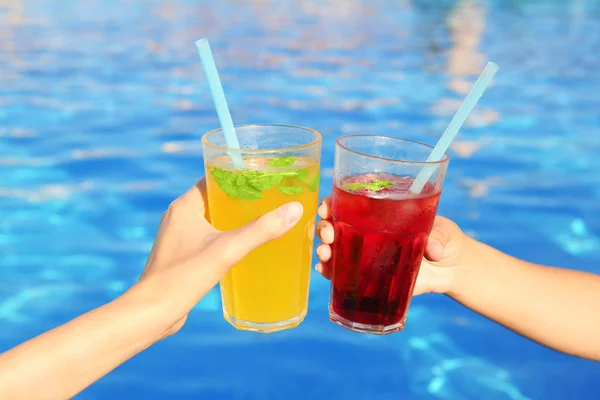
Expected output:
{"points": [[291, 212]]}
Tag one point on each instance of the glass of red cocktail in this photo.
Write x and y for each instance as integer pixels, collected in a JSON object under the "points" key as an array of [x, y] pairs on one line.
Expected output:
{"points": [[381, 229]]}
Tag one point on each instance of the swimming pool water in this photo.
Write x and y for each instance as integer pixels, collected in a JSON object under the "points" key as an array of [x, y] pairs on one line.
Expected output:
{"points": [[102, 104]]}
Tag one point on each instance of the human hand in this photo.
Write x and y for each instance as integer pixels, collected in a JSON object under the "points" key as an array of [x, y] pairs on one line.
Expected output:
{"points": [[188, 253], [187, 260], [444, 255]]}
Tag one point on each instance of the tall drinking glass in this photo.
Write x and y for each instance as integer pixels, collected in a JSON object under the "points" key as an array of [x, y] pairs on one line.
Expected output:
{"points": [[381, 229], [268, 290]]}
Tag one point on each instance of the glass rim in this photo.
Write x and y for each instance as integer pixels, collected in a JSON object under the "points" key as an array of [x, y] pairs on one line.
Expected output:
{"points": [[444, 159], [318, 139]]}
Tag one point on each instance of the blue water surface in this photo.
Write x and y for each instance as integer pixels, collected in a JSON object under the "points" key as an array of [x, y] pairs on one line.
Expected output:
{"points": [[102, 104]]}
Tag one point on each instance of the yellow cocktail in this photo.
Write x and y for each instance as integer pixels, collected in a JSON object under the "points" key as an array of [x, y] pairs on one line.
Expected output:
{"points": [[268, 290]]}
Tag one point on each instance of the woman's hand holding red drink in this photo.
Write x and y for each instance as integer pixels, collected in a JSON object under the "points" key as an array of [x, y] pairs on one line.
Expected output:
{"points": [[443, 254], [555, 307]]}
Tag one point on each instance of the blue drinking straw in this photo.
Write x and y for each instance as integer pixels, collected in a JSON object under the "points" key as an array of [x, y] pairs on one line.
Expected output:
{"points": [[457, 121], [216, 90]]}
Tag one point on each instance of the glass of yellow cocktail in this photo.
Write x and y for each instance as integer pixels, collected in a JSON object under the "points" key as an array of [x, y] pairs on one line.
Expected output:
{"points": [[268, 290]]}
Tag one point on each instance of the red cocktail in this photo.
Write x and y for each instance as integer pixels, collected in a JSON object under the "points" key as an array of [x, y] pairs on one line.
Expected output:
{"points": [[381, 231]]}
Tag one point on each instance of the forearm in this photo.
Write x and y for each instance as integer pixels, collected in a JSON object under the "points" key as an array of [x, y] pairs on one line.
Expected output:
{"points": [[60, 363], [558, 308]]}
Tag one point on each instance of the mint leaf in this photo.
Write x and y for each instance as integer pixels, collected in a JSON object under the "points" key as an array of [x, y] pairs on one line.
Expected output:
{"points": [[369, 186], [250, 184], [374, 186], [288, 174], [291, 190], [219, 173], [246, 193], [235, 184], [302, 175], [285, 161], [314, 183], [263, 181], [240, 180], [383, 184]]}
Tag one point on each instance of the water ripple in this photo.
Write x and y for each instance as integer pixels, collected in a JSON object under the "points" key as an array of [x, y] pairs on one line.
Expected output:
{"points": [[102, 105]]}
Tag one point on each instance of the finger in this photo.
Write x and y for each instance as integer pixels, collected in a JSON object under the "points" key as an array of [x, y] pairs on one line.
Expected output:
{"points": [[325, 231], [324, 269], [197, 195], [192, 205], [194, 197], [438, 239], [434, 250], [234, 245], [196, 192], [324, 252], [325, 208], [229, 248], [421, 282], [433, 279]]}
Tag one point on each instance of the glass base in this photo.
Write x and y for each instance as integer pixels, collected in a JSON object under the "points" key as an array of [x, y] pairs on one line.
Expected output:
{"points": [[267, 327], [365, 328]]}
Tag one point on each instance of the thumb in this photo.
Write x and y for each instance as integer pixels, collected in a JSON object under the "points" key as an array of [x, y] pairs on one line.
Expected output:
{"points": [[238, 243], [439, 238]]}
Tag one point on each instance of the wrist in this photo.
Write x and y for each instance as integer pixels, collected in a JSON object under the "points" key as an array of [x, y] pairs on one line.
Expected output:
{"points": [[152, 306], [465, 267]]}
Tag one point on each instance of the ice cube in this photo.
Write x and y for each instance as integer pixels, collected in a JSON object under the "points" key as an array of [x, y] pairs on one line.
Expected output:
{"points": [[382, 194]]}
